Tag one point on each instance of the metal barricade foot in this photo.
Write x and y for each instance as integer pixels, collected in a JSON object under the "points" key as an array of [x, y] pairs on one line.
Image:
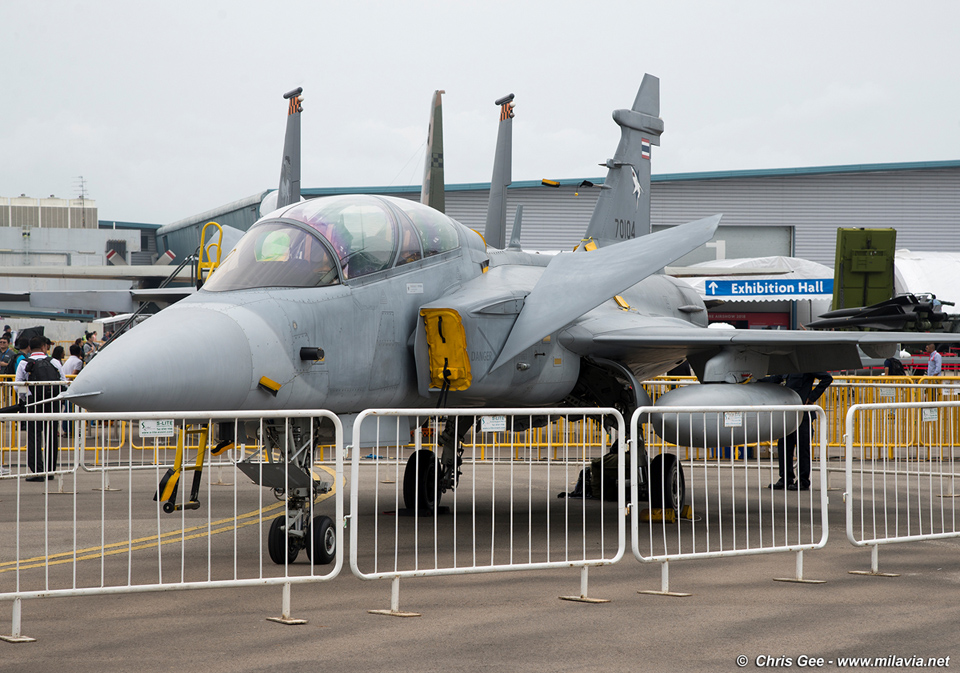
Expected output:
{"points": [[394, 610], [285, 617], [874, 565], [16, 636], [664, 584], [60, 490], [799, 578], [583, 598], [105, 484]]}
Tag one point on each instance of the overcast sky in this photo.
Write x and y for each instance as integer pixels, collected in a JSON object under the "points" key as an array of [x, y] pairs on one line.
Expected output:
{"points": [[172, 108]]}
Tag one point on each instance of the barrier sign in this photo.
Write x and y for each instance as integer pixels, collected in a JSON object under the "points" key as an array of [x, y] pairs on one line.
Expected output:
{"points": [[493, 423], [160, 428], [732, 419]]}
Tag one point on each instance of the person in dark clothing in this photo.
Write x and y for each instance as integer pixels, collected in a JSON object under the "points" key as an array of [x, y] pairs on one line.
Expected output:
{"points": [[802, 384], [43, 442], [893, 367], [7, 355]]}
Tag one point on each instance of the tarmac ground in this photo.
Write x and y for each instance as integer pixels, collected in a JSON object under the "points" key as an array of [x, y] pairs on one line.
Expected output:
{"points": [[512, 621]]}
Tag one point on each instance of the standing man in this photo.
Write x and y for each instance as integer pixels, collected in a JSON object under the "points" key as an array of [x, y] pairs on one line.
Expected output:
{"points": [[935, 364], [7, 354], [43, 440], [798, 441]]}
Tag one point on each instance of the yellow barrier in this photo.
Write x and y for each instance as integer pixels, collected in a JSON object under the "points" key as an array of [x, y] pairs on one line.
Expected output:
{"points": [[585, 434], [912, 429], [904, 429], [898, 430]]}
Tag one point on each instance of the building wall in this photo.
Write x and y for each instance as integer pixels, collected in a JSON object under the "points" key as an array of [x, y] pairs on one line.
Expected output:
{"points": [[27, 212], [922, 205], [805, 205], [61, 247]]}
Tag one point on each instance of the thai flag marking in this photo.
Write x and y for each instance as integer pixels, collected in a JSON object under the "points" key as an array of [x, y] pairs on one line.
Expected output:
{"points": [[645, 148]]}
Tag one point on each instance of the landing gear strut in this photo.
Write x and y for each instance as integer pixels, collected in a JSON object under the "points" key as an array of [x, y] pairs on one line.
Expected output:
{"points": [[291, 478]]}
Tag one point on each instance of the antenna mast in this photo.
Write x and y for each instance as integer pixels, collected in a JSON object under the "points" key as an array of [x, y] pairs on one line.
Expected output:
{"points": [[82, 186]]}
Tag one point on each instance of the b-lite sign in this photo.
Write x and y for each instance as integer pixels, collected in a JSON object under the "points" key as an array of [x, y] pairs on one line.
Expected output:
{"points": [[768, 288]]}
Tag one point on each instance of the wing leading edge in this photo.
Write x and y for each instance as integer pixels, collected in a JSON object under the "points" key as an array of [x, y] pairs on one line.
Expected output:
{"points": [[636, 339], [573, 284]]}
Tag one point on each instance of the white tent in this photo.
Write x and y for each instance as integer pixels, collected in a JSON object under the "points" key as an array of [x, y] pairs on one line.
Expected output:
{"points": [[773, 278], [763, 279], [928, 273]]}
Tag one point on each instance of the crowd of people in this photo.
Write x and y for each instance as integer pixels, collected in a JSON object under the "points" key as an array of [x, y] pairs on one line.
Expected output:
{"points": [[28, 358], [14, 349]]}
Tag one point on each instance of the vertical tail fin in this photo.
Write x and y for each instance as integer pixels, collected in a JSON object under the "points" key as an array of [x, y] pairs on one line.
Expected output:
{"points": [[431, 194], [623, 209], [289, 190], [495, 232], [515, 236]]}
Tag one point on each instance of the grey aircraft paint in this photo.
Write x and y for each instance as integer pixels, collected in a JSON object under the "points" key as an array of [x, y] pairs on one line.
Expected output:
{"points": [[431, 193], [289, 191], [623, 209], [533, 325], [494, 232], [351, 302]]}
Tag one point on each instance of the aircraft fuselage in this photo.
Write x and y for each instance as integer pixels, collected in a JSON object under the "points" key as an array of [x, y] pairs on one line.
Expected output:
{"points": [[210, 351]]}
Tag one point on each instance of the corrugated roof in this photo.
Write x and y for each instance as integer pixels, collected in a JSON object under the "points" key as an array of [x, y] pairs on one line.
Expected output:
{"points": [[665, 177], [807, 170], [112, 224]]}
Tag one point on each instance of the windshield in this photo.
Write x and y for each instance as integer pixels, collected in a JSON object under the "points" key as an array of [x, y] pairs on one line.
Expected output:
{"points": [[274, 254], [435, 230], [366, 234], [361, 229]]}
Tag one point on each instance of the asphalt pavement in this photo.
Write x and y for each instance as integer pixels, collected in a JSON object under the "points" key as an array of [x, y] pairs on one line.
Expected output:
{"points": [[516, 621]]}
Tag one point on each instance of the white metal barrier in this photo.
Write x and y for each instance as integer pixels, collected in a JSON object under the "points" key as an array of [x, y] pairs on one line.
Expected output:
{"points": [[503, 513], [78, 535], [163, 527], [908, 490], [721, 503]]}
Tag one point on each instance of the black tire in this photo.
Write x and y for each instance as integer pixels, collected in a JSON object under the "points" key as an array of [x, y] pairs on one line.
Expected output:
{"points": [[324, 547], [420, 487], [282, 549], [667, 485]]}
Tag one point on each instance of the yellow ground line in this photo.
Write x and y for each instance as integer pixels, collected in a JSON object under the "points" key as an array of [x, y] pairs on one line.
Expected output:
{"points": [[115, 548]]}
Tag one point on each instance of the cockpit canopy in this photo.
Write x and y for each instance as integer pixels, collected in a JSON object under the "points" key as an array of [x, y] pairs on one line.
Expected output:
{"points": [[326, 240]]}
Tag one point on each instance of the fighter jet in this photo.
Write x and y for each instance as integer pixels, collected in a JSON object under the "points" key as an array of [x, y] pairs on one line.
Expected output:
{"points": [[352, 302]]}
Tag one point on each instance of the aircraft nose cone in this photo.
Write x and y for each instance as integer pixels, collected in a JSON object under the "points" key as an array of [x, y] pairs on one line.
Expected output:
{"points": [[188, 359]]}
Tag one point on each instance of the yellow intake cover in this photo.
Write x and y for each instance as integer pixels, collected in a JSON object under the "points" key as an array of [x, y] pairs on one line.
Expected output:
{"points": [[447, 348]]}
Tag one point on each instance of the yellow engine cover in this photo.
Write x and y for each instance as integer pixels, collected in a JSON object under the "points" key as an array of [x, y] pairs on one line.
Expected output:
{"points": [[447, 348]]}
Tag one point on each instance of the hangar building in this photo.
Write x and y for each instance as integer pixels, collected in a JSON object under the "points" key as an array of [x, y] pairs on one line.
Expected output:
{"points": [[770, 214], [792, 212]]}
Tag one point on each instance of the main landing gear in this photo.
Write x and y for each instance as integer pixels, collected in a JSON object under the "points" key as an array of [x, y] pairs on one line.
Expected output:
{"points": [[426, 478], [668, 487]]}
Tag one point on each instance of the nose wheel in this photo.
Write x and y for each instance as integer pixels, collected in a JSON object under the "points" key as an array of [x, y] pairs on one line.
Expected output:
{"points": [[287, 536], [292, 481], [283, 548], [324, 547]]}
